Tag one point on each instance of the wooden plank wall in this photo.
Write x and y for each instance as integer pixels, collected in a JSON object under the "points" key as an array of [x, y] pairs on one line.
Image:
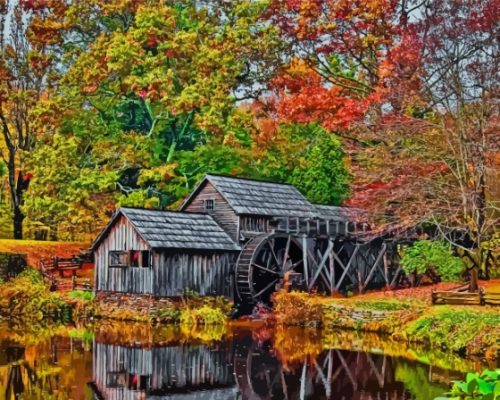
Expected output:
{"points": [[206, 274], [223, 213], [180, 367], [122, 236], [254, 224], [191, 367]]}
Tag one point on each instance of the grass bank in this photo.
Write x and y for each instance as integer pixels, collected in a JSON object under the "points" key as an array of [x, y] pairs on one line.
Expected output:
{"points": [[471, 331], [27, 299]]}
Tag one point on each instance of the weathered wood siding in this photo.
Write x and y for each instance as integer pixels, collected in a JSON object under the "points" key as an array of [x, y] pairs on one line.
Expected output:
{"points": [[222, 212], [166, 369], [121, 237], [254, 224], [207, 274]]}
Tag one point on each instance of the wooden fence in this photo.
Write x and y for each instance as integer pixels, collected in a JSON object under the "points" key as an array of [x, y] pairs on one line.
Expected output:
{"points": [[55, 270], [466, 298]]}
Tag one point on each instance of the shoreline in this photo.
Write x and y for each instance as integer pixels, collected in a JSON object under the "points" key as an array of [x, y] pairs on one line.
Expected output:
{"points": [[463, 330]]}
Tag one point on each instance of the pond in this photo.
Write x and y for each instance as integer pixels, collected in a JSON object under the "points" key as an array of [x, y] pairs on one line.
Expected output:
{"points": [[127, 361]]}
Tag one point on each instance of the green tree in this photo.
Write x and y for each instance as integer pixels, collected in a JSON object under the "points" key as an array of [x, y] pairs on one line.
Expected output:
{"points": [[427, 255], [170, 73], [311, 159]]}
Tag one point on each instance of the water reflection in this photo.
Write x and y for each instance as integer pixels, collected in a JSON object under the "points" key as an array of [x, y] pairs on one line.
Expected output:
{"points": [[58, 368], [136, 362], [131, 373], [249, 367]]}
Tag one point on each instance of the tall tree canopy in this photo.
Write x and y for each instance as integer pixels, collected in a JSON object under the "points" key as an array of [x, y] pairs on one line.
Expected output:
{"points": [[28, 77], [388, 105], [412, 87]]}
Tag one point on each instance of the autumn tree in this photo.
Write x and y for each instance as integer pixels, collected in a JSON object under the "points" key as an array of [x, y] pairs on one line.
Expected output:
{"points": [[170, 74], [27, 77], [460, 57], [411, 87]]}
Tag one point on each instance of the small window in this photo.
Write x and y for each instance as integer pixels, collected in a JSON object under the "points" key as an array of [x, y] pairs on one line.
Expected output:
{"points": [[140, 259], [209, 204], [146, 259], [116, 380], [138, 382], [118, 259]]}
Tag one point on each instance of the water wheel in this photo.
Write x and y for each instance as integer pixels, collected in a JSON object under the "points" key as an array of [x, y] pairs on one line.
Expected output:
{"points": [[262, 264], [259, 374]]}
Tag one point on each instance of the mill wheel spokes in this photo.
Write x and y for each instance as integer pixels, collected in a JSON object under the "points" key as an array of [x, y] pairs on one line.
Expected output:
{"points": [[263, 264]]}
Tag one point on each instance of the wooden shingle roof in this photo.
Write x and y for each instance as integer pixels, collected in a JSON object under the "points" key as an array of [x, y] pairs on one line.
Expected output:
{"points": [[254, 197], [335, 213], [174, 230]]}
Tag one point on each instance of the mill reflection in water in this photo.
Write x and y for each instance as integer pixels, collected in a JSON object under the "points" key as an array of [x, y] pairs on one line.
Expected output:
{"points": [[242, 368]]}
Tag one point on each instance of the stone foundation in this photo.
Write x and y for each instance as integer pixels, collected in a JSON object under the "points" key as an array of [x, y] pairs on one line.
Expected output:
{"points": [[142, 304]]}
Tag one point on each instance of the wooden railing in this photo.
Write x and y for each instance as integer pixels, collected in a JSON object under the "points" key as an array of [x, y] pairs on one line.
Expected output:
{"points": [[58, 265], [53, 269], [466, 298]]}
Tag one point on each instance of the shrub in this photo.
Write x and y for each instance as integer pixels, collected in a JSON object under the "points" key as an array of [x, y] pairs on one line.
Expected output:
{"points": [[205, 315], [27, 297], [483, 386], [436, 256], [297, 308]]}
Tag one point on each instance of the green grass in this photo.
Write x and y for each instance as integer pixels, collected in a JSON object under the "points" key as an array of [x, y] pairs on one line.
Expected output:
{"points": [[457, 329], [385, 305], [80, 294]]}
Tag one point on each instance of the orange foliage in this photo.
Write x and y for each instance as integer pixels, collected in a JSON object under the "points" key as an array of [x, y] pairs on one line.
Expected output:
{"points": [[36, 250]]}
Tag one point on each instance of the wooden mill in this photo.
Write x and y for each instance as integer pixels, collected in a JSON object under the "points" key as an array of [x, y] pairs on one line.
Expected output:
{"points": [[238, 238]]}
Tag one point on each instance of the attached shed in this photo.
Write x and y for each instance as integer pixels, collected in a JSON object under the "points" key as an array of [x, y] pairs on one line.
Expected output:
{"points": [[164, 253]]}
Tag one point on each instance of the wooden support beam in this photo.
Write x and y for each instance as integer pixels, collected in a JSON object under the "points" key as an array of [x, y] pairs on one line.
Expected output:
{"points": [[324, 272], [373, 367], [287, 249], [302, 392], [339, 261], [386, 269], [377, 261], [321, 264], [347, 370], [342, 277], [395, 276], [304, 258], [332, 273]]}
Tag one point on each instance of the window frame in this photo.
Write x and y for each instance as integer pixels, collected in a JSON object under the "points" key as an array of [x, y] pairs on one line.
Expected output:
{"points": [[206, 203], [121, 253], [142, 255]]}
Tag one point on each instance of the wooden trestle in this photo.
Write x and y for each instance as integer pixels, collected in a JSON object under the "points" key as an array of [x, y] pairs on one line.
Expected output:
{"points": [[340, 256]]}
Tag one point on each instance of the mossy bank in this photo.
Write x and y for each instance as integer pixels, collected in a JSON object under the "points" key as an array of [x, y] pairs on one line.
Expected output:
{"points": [[471, 331]]}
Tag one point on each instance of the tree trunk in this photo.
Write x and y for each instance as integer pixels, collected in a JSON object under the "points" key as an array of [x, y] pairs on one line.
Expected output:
{"points": [[18, 221]]}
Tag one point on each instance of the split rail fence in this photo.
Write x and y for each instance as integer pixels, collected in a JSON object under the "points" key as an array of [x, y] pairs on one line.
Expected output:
{"points": [[481, 297]]}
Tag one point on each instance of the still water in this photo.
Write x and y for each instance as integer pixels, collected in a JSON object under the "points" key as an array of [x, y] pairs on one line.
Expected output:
{"points": [[137, 362]]}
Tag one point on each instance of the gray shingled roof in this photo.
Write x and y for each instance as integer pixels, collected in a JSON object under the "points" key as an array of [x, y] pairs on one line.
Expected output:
{"points": [[253, 197], [175, 230], [338, 213]]}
